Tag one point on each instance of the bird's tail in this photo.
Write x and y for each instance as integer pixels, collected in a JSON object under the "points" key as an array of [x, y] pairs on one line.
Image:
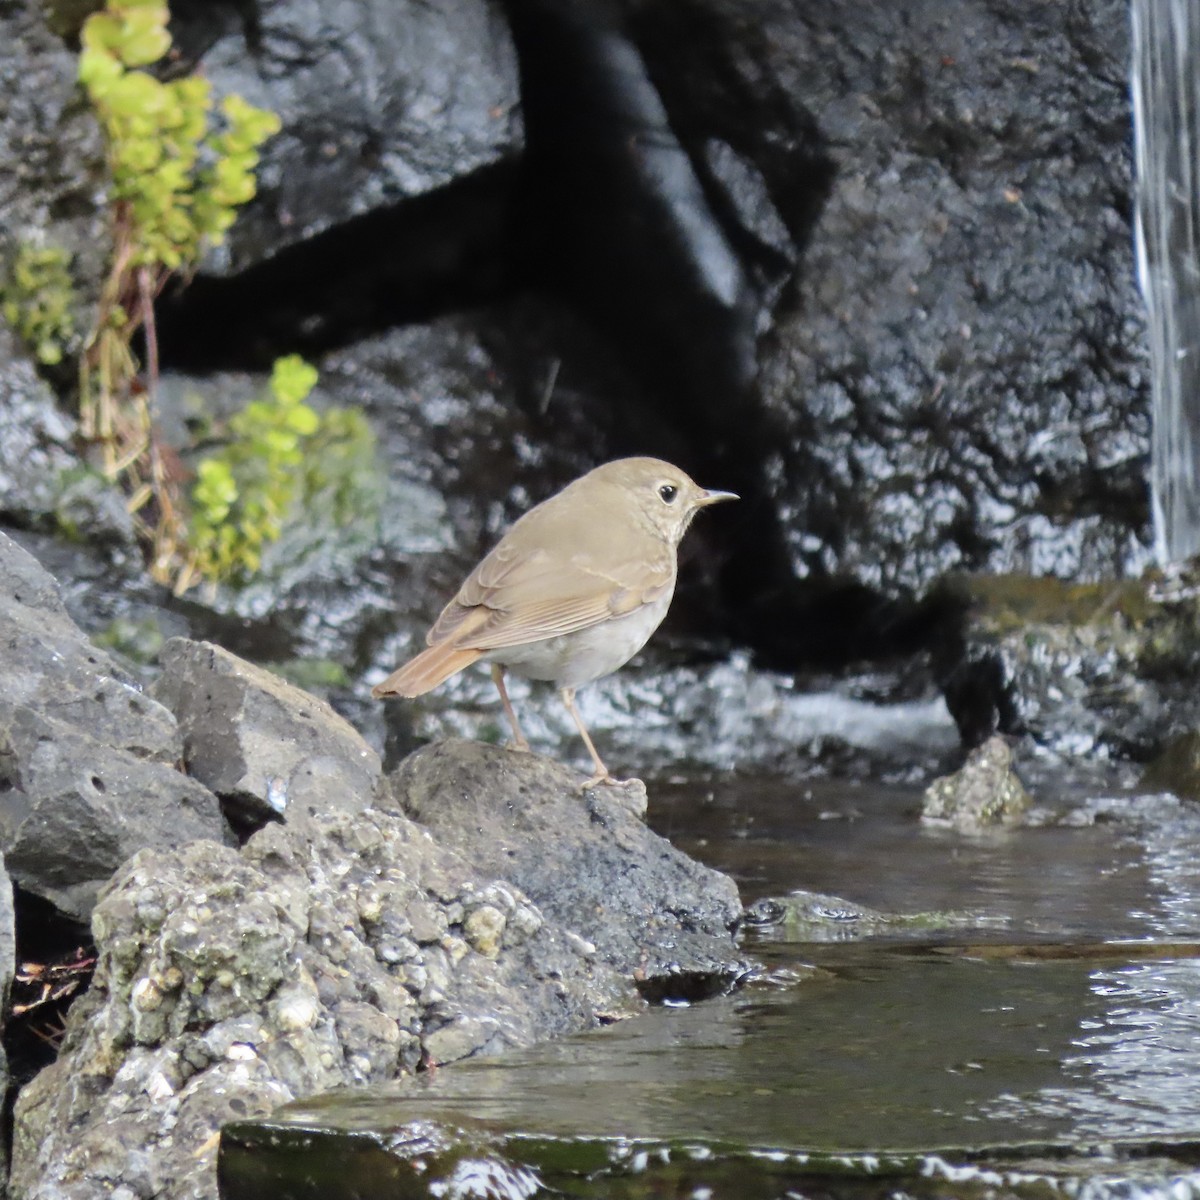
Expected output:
{"points": [[423, 673]]}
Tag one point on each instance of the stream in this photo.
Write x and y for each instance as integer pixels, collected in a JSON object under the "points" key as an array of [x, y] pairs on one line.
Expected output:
{"points": [[1041, 1036]]}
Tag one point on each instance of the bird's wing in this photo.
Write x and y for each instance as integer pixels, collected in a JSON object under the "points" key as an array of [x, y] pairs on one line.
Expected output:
{"points": [[530, 595]]}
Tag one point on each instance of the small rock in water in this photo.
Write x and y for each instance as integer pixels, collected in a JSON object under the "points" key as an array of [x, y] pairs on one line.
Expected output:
{"points": [[984, 792]]}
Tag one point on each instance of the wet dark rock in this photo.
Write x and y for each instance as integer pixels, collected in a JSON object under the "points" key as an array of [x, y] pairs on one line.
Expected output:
{"points": [[983, 793], [981, 191], [619, 218], [51, 146], [1176, 769], [1091, 671], [87, 760], [266, 748], [379, 103], [585, 859], [349, 951]]}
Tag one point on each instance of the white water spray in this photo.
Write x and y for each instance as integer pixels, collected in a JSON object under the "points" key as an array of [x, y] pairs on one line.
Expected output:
{"points": [[1166, 115]]}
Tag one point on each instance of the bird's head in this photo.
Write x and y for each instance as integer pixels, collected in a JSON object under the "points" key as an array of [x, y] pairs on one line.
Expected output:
{"points": [[660, 494]]}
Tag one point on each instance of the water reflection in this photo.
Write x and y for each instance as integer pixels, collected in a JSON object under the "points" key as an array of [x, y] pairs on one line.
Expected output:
{"points": [[1089, 881]]}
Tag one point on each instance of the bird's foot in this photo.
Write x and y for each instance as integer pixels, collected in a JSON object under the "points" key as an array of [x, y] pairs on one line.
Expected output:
{"points": [[604, 779], [520, 745], [629, 794]]}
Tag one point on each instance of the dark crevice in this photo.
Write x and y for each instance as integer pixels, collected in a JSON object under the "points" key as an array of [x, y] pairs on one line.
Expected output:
{"points": [[407, 263], [55, 960]]}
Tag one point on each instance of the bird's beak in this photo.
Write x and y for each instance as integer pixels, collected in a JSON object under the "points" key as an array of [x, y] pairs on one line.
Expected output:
{"points": [[715, 498]]}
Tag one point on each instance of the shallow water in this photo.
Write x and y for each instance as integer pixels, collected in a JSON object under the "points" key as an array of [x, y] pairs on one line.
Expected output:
{"points": [[864, 842], [1048, 1040]]}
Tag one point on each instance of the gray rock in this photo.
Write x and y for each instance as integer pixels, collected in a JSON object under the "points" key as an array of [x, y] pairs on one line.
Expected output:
{"points": [[983, 793], [35, 438], [952, 181], [87, 761], [74, 808], [585, 860], [266, 747], [49, 664], [230, 982]]}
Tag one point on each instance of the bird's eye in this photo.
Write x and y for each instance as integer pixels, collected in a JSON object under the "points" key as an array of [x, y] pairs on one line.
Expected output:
{"points": [[668, 492]]}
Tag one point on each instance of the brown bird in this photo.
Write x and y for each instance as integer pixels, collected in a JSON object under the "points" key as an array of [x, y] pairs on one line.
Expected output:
{"points": [[571, 592]]}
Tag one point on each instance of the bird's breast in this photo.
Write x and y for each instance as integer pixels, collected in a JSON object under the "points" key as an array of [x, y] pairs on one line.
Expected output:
{"points": [[573, 659]]}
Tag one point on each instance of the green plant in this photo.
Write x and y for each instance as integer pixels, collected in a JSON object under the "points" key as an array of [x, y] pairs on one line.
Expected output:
{"points": [[179, 175], [279, 452], [341, 483], [36, 299]]}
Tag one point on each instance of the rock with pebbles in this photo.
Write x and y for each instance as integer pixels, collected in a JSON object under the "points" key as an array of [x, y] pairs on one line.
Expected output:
{"points": [[586, 860], [351, 950], [983, 793]]}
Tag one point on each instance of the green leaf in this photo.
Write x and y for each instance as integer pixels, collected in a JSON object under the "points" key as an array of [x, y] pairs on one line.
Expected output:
{"points": [[98, 71], [135, 93], [140, 155], [101, 31], [303, 420], [144, 37], [292, 379]]}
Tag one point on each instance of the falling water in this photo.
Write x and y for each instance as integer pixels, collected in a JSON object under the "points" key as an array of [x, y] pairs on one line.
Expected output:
{"points": [[1166, 112]]}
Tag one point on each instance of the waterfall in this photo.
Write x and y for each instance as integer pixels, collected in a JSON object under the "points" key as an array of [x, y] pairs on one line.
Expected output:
{"points": [[1166, 116]]}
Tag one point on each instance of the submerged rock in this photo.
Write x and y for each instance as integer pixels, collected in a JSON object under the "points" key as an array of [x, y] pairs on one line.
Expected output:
{"points": [[984, 792], [802, 916]]}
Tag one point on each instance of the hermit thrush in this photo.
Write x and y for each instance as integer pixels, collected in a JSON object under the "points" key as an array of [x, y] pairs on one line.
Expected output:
{"points": [[571, 592]]}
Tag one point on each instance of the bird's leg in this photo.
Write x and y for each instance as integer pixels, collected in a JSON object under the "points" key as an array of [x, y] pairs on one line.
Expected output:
{"points": [[498, 679], [602, 775]]}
